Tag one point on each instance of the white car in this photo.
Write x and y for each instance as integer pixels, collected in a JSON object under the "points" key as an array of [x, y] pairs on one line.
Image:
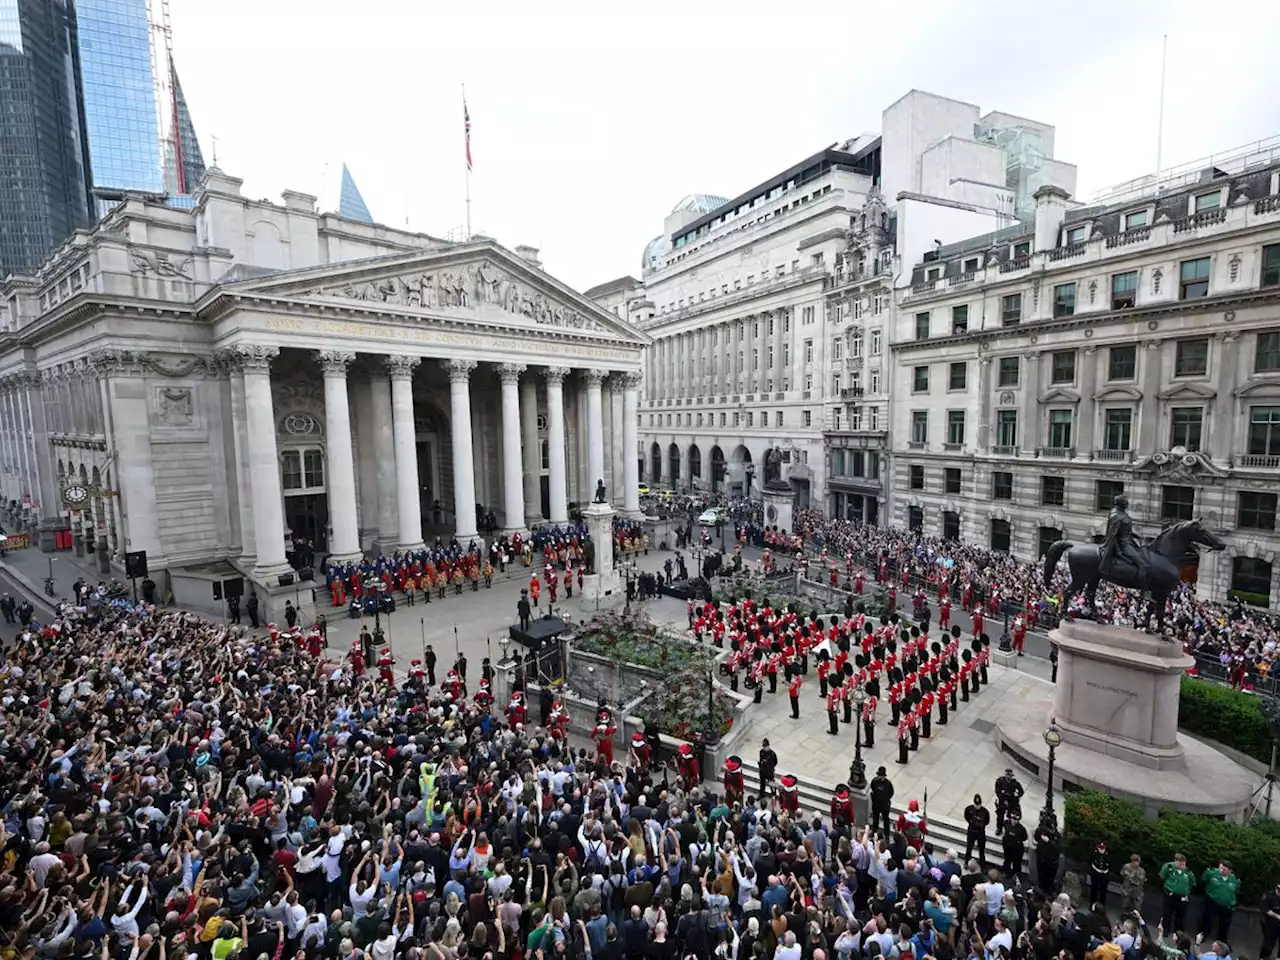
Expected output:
{"points": [[709, 518]]}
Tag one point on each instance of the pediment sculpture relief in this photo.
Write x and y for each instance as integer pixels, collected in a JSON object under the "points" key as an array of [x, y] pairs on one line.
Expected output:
{"points": [[470, 286]]}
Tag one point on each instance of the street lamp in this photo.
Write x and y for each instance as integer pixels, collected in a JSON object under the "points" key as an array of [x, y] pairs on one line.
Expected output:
{"points": [[1053, 740], [858, 769], [1006, 638]]}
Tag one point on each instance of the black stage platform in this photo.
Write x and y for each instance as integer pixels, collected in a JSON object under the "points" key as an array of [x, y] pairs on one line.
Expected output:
{"points": [[541, 629]]}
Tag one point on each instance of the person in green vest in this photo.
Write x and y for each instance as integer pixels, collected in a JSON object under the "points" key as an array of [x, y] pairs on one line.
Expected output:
{"points": [[1221, 887], [1178, 882]]}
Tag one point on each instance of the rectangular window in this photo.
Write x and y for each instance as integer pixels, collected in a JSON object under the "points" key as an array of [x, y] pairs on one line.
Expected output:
{"points": [[764, 418], [920, 380], [876, 342], [1060, 422], [291, 470], [958, 376], [1266, 358], [808, 351], [1064, 300], [1063, 369], [835, 418], [755, 359], [955, 427], [1122, 362], [835, 385], [1208, 201], [1009, 372], [1256, 511], [875, 381], [1178, 503], [1124, 290], [751, 419], [1186, 423], [1022, 249], [1193, 277], [971, 265], [922, 326], [1105, 493], [806, 418], [1192, 358], [1118, 427], [1264, 431], [960, 320], [1011, 309], [1001, 535], [1132, 221], [855, 345], [1076, 235], [873, 418], [313, 468], [1006, 428], [837, 348], [951, 479], [1002, 485], [723, 418], [1271, 265], [919, 426], [786, 354], [779, 418], [1053, 491], [916, 477]]}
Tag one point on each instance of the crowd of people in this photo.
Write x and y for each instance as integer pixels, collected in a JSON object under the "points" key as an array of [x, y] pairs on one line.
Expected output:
{"points": [[174, 787]]}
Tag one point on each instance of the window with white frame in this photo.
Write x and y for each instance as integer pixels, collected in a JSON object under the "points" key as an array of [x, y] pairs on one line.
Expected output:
{"points": [[808, 351], [855, 345], [837, 348], [876, 342], [835, 418]]}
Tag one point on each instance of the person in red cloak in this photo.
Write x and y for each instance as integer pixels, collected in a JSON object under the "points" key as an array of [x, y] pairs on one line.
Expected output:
{"points": [[687, 766], [842, 808], [641, 751], [734, 785], [603, 736], [385, 664], [516, 710], [911, 824], [788, 795], [558, 722]]}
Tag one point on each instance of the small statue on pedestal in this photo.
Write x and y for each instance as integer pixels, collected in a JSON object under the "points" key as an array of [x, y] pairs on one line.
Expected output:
{"points": [[600, 496]]}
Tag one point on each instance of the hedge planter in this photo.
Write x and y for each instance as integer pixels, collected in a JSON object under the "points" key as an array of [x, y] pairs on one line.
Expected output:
{"points": [[1233, 718]]}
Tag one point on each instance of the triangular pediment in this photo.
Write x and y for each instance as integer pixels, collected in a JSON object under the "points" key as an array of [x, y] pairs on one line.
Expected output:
{"points": [[1119, 394], [1060, 395], [1188, 391], [1260, 388], [475, 282]]}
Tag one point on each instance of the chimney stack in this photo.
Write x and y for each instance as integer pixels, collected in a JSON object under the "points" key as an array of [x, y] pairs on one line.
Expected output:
{"points": [[1051, 210]]}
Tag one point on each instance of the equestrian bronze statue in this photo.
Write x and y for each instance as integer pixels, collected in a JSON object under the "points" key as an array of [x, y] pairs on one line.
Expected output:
{"points": [[1122, 560]]}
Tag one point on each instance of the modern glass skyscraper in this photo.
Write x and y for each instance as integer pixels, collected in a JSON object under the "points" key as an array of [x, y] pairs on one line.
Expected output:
{"points": [[119, 95], [43, 176]]}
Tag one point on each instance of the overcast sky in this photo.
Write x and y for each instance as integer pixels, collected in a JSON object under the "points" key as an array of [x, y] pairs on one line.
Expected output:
{"points": [[591, 120]]}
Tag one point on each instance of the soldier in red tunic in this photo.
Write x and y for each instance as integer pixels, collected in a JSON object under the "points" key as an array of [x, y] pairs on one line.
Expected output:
{"points": [[687, 766], [977, 622], [824, 670], [385, 664], [904, 737], [483, 697], [842, 808], [641, 751], [603, 735], [857, 582], [793, 690], [516, 709], [558, 722], [734, 785], [788, 797], [833, 710], [944, 612], [568, 582]]}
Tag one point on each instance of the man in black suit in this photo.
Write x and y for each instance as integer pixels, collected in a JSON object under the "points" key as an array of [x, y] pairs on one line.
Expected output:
{"points": [[522, 608]]}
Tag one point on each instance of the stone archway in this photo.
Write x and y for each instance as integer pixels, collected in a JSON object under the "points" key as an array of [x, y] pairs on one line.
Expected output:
{"points": [[695, 465], [655, 462], [673, 465], [717, 468], [741, 470]]}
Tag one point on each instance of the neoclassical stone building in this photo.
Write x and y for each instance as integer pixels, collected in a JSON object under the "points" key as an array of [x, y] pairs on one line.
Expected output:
{"points": [[224, 379]]}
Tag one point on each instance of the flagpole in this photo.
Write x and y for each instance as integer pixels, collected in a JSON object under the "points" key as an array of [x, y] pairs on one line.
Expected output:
{"points": [[468, 158]]}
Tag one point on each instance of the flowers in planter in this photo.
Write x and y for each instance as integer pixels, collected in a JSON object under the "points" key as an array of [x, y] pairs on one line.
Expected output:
{"points": [[633, 638], [680, 707]]}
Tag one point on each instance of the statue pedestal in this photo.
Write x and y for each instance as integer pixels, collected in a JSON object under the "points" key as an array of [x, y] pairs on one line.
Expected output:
{"points": [[603, 588], [778, 505]]}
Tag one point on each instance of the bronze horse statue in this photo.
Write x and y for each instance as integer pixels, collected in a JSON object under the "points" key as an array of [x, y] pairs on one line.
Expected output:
{"points": [[1163, 553]]}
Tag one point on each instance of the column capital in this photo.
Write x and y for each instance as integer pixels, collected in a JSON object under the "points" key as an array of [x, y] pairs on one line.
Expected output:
{"points": [[555, 375], [510, 372], [250, 357], [459, 370], [631, 379], [593, 377], [401, 368], [334, 363]]}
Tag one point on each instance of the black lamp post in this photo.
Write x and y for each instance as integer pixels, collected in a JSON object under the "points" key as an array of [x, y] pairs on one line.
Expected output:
{"points": [[1006, 638], [749, 471], [1052, 739], [858, 769]]}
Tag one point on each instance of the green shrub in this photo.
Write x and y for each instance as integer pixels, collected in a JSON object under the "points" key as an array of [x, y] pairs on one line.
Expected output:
{"points": [[1220, 713], [1254, 853]]}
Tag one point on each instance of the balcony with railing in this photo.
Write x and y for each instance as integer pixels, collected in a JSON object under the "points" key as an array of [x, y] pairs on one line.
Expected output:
{"points": [[1128, 237], [1056, 453], [1113, 456], [1069, 252], [1258, 461], [1205, 218], [852, 393], [1005, 450]]}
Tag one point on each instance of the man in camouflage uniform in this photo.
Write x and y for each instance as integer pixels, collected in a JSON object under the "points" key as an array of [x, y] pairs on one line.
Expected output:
{"points": [[1132, 880]]}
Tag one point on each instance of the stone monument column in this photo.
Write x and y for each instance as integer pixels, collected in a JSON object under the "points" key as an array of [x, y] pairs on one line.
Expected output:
{"points": [[408, 489], [264, 461], [341, 481], [555, 443], [384, 445], [631, 444], [595, 429], [532, 452], [512, 467]]}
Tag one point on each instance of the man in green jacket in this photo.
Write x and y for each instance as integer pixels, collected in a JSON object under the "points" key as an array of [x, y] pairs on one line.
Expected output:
{"points": [[1178, 882], [1221, 887]]}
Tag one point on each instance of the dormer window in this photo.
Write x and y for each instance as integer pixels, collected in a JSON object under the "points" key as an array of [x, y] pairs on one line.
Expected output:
{"points": [[1208, 201], [971, 265], [1076, 235], [1137, 219], [933, 274], [1022, 249]]}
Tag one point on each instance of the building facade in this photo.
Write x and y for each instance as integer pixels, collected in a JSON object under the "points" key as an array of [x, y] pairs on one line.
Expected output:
{"points": [[1133, 346], [44, 163], [227, 379]]}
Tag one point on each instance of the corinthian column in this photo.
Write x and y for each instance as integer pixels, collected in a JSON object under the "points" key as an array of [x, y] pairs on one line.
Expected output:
{"points": [[532, 452], [555, 443], [630, 444], [595, 429], [341, 481], [512, 467], [264, 459], [408, 489], [616, 465], [464, 470]]}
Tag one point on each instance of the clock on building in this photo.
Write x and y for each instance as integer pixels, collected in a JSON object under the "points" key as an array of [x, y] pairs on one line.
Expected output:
{"points": [[75, 494]]}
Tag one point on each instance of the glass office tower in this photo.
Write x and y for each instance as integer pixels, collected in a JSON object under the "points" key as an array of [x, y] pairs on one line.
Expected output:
{"points": [[119, 96], [43, 164]]}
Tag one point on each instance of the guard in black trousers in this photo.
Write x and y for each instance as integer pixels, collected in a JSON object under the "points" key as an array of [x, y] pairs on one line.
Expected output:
{"points": [[833, 707], [869, 723], [793, 690], [904, 736]]}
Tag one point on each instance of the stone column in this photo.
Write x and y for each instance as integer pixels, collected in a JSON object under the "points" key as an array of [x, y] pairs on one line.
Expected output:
{"points": [[617, 445], [384, 445], [983, 439], [630, 444], [1085, 443], [464, 471], [244, 469], [1031, 404], [1223, 445], [341, 480], [532, 452], [1150, 372], [512, 465], [408, 487], [595, 430], [264, 460], [555, 443]]}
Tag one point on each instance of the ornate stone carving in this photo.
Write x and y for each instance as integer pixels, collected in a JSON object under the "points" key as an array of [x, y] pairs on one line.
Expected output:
{"points": [[1006, 398], [632, 379], [1235, 266], [510, 372], [144, 262], [593, 378], [401, 367], [301, 425], [1093, 290], [468, 286], [174, 407], [334, 363], [459, 370], [251, 357], [555, 374], [114, 361], [1157, 275]]}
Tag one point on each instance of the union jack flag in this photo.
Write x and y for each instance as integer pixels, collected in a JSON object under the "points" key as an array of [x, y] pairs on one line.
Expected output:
{"points": [[466, 121]]}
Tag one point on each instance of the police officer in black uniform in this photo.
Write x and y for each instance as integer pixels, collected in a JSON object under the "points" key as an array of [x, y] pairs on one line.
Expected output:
{"points": [[1008, 799]]}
